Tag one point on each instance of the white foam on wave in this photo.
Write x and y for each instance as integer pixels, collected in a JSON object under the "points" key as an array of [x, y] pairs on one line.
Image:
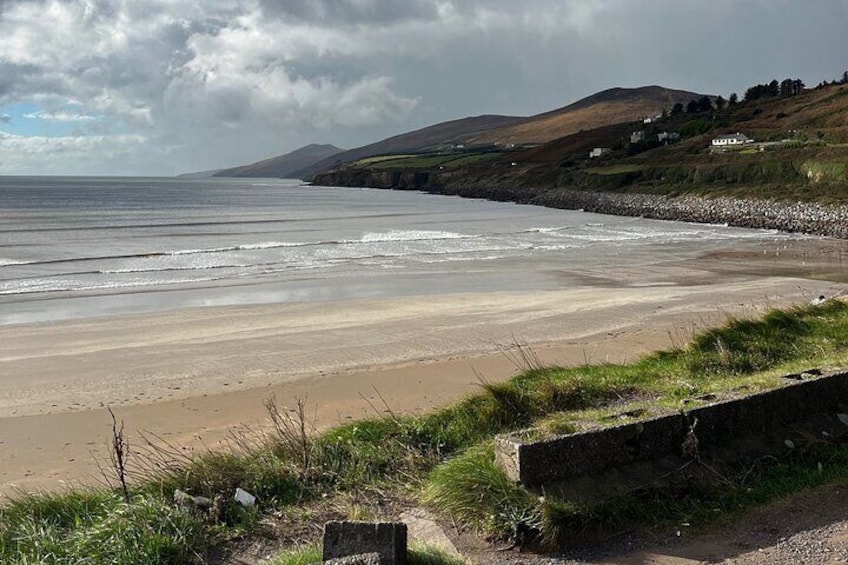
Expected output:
{"points": [[557, 229], [130, 270], [38, 286], [409, 235], [245, 247], [613, 234], [10, 262]]}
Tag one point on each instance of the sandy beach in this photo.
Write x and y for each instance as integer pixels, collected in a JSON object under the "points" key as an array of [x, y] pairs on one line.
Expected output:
{"points": [[191, 376]]}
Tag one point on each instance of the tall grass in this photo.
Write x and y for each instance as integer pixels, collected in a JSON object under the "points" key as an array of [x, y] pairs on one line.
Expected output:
{"points": [[476, 492], [99, 527]]}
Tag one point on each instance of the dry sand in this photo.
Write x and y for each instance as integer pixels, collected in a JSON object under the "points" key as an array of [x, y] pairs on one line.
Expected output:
{"points": [[190, 376]]}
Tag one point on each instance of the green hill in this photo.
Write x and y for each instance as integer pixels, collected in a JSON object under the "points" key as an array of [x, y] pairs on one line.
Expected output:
{"points": [[801, 153], [445, 134]]}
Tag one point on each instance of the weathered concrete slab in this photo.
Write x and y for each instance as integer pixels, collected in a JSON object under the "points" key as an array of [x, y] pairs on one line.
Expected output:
{"points": [[346, 539], [423, 528], [567, 457]]}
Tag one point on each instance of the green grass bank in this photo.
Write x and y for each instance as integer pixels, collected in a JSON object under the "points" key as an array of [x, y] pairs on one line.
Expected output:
{"points": [[443, 459]]}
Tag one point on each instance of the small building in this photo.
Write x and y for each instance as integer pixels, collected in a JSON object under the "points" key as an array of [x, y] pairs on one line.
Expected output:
{"points": [[598, 152], [668, 137], [638, 136], [733, 140]]}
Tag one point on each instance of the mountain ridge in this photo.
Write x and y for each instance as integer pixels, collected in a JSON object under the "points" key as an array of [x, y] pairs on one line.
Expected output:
{"points": [[283, 166], [606, 107], [443, 133]]}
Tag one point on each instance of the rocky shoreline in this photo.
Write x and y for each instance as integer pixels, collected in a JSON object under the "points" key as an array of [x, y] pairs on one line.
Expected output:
{"points": [[799, 217]]}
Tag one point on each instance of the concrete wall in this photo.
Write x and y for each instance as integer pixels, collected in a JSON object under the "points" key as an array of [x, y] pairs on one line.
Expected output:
{"points": [[561, 458], [347, 539]]}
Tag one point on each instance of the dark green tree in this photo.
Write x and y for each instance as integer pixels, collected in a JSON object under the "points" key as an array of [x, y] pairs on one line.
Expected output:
{"points": [[705, 104], [720, 103], [734, 98], [791, 87], [692, 107], [773, 87], [786, 88], [677, 109]]}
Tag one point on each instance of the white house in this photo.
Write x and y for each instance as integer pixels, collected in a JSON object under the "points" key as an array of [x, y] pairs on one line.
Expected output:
{"points": [[731, 140], [638, 136], [598, 152]]}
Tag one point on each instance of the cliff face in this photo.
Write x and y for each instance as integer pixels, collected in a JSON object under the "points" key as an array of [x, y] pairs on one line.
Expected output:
{"points": [[398, 180]]}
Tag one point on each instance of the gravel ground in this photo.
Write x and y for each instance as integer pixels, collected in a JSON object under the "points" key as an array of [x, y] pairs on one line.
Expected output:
{"points": [[809, 528]]}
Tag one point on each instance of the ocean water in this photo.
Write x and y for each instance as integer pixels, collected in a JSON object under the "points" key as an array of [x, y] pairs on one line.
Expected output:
{"points": [[77, 247]]}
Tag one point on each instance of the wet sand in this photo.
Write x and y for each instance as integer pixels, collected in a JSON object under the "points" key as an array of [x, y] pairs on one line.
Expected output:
{"points": [[190, 376]]}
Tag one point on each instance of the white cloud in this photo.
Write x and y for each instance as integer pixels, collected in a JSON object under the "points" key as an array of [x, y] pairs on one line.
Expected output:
{"points": [[59, 116], [39, 155]]}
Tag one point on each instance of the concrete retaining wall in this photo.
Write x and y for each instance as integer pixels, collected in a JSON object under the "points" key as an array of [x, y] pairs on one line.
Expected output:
{"points": [[561, 458]]}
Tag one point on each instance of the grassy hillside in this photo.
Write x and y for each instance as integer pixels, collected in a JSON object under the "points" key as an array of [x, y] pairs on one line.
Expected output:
{"points": [[804, 155], [432, 137], [613, 106], [804, 160]]}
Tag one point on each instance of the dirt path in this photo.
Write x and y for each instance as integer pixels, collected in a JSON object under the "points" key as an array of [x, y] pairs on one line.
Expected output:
{"points": [[809, 528]]}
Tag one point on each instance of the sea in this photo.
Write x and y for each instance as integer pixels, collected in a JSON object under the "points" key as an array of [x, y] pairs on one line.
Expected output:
{"points": [[77, 247]]}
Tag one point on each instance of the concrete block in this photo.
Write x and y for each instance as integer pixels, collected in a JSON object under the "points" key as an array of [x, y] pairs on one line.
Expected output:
{"points": [[345, 539]]}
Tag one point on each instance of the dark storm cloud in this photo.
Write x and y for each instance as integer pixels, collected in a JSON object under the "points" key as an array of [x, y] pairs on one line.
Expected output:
{"points": [[342, 12], [12, 76], [192, 85]]}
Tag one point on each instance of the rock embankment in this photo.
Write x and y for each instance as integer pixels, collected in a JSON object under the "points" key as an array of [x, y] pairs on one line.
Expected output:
{"points": [[811, 218], [800, 217]]}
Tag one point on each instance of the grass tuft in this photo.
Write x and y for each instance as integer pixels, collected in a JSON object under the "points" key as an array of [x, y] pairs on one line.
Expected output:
{"points": [[99, 528], [475, 491], [743, 347]]}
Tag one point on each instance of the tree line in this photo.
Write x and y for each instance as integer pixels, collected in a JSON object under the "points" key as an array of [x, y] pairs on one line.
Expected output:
{"points": [[783, 89], [842, 80]]}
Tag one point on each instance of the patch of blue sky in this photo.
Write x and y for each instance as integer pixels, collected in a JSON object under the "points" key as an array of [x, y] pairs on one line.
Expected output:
{"points": [[30, 119]]}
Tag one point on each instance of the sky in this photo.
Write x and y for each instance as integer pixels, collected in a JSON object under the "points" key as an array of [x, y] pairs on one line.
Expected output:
{"points": [[161, 87]]}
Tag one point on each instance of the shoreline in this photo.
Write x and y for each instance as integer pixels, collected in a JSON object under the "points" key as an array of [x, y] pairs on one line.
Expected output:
{"points": [[191, 376], [806, 218], [797, 217]]}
